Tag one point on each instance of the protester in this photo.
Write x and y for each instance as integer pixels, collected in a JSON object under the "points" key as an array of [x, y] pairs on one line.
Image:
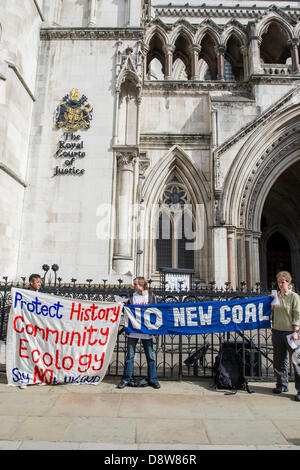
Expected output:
{"points": [[35, 282], [285, 321], [141, 295]]}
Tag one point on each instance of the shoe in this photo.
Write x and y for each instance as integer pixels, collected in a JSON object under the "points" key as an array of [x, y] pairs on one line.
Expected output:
{"points": [[279, 390], [297, 397], [122, 384], [23, 386], [154, 384]]}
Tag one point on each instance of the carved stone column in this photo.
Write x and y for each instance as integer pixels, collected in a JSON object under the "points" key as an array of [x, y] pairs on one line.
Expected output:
{"points": [[195, 50], [250, 258], [241, 256], [138, 108], [220, 255], [126, 13], [294, 43], [93, 6], [220, 50], [116, 123], [248, 251], [256, 258], [57, 12], [168, 50], [254, 53], [231, 254], [145, 51], [123, 259], [244, 51]]}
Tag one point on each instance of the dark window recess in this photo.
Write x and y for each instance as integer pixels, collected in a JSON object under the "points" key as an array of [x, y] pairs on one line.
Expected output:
{"points": [[164, 238], [185, 256]]}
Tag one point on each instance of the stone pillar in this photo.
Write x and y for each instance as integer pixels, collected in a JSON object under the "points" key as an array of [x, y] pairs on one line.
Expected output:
{"points": [[116, 123], [145, 52], [168, 51], [138, 107], [57, 12], [139, 59], [231, 254], [220, 256], [123, 259], [254, 53], [294, 43], [251, 259], [256, 258], [220, 51], [127, 126], [93, 6], [195, 50], [126, 13], [240, 247], [248, 260], [244, 51]]}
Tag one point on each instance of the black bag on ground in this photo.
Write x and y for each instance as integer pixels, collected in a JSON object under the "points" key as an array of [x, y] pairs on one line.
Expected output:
{"points": [[143, 382], [228, 370]]}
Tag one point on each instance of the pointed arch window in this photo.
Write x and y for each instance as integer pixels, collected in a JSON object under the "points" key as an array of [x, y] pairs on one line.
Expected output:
{"points": [[274, 48], [181, 59], [175, 230], [234, 62], [156, 59], [208, 55]]}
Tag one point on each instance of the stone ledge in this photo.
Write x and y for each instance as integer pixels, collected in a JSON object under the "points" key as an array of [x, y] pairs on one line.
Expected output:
{"points": [[58, 33]]}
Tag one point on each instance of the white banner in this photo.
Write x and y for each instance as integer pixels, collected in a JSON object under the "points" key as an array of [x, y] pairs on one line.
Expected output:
{"points": [[54, 339]]}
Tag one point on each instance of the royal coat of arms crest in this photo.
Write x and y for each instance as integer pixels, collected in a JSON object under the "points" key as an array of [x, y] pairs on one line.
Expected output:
{"points": [[73, 112]]}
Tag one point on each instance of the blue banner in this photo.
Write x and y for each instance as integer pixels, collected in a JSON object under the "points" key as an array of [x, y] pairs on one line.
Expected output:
{"points": [[199, 317]]}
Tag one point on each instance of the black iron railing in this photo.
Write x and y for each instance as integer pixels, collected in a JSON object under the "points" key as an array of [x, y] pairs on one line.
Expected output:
{"points": [[177, 356]]}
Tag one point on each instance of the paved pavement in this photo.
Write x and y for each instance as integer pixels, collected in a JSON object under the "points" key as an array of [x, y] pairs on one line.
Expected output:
{"points": [[187, 415]]}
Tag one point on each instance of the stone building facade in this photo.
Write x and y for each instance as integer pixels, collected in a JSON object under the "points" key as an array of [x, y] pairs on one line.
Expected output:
{"points": [[143, 134]]}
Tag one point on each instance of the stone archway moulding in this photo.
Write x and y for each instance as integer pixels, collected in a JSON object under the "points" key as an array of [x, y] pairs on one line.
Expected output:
{"points": [[265, 180], [271, 149], [179, 159]]}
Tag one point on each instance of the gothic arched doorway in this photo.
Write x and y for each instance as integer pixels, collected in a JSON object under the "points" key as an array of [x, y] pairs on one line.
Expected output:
{"points": [[280, 226]]}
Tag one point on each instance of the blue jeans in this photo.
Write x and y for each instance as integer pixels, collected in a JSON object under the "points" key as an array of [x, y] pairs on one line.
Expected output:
{"points": [[129, 363]]}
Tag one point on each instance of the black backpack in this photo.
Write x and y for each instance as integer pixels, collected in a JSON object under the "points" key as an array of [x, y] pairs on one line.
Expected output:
{"points": [[228, 370]]}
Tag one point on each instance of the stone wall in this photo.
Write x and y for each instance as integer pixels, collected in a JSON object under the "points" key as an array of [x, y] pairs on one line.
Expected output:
{"points": [[19, 43]]}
